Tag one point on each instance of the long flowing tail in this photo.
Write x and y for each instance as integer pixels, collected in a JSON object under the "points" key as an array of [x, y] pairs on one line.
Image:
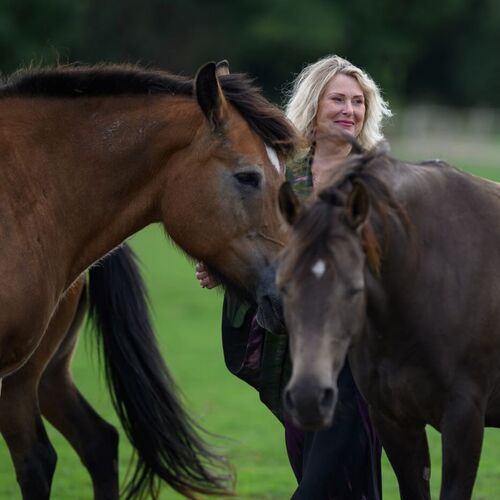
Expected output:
{"points": [[165, 438]]}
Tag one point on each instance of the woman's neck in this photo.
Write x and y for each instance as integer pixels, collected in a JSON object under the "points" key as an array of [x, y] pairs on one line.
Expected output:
{"points": [[327, 157]]}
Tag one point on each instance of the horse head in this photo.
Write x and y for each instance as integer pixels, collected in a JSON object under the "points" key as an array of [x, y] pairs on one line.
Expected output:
{"points": [[225, 211], [321, 279]]}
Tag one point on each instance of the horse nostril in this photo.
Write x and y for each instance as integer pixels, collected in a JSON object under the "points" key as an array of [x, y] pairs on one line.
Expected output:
{"points": [[289, 404], [327, 397]]}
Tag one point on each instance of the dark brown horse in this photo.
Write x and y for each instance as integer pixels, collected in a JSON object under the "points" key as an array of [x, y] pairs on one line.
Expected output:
{"points": [[88, 157], [397, 267]]}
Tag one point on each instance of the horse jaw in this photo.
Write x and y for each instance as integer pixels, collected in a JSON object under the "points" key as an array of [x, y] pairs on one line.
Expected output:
{"points": [[270, 306]]}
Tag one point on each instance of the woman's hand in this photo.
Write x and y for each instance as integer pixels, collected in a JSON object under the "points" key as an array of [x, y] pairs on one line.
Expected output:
{"points": [[202, 275]]}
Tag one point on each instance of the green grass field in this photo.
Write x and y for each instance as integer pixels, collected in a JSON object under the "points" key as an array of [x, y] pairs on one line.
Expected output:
{"points": [[187, 321]]}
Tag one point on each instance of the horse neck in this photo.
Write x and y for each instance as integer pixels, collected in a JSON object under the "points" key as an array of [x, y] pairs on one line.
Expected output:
{"points": [[100, 168], [404, 246]]}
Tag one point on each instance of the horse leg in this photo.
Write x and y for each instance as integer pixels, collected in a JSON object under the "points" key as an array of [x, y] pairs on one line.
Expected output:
{"points": [[94, 440], [462, 429], [408, 452], [21, 425]]}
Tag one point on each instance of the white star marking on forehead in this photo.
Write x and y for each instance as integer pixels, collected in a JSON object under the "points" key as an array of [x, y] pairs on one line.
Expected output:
{"points": [[319, 268], [273, 158]]}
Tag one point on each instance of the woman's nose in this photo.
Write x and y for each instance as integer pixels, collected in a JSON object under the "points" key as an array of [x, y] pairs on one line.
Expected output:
{"points": [[347, 108]]}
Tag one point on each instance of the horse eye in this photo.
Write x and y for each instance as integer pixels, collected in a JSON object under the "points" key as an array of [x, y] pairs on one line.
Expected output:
{"points": [[353, 291], [248, 178]]}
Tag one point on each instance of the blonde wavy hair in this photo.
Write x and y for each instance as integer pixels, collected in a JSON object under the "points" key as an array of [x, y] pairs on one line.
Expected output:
{"points": [[309, 85]]}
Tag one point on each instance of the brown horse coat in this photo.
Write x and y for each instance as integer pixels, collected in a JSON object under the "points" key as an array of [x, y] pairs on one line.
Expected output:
{"points": [[89, 156]]}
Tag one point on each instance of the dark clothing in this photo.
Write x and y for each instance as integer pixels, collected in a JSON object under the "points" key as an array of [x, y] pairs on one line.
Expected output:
{"points": [[341, 463], [258, 357]]}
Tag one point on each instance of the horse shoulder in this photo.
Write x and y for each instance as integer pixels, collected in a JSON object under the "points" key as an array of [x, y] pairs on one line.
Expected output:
{"points": [[26, 303]]}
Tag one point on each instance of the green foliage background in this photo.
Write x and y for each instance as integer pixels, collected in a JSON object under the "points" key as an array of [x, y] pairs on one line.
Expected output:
{"points": [[415, 50]]}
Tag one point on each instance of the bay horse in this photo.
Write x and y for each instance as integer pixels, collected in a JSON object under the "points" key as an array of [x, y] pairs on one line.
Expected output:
{"points": [[89, 156], [396, 267], [114, 295]]}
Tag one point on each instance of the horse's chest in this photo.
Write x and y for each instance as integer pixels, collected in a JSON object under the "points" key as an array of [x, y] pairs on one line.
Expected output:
{"points": [[400, 392]]}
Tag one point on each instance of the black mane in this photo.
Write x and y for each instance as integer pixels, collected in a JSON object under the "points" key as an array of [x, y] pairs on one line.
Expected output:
{"points": [[314, 224], [112, 80], [88, 81]]}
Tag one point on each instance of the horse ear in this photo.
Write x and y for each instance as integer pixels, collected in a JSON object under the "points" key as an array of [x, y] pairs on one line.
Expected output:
{"points": [[358, 205], [290, 205], [209, 95], [222, 68]]}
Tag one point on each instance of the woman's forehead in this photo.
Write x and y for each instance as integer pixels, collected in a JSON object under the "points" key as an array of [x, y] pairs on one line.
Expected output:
{"points": [[343, 84]]}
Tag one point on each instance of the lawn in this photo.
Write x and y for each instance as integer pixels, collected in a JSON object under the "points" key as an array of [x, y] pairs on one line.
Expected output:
{"points": [[187, 321]]}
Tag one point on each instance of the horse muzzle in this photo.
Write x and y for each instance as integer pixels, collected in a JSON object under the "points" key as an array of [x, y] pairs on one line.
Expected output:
{"points": [[270, 307], [310, 404]]}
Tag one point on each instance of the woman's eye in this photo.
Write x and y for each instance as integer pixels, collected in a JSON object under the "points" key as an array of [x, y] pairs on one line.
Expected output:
{"points": [[248, 178]]}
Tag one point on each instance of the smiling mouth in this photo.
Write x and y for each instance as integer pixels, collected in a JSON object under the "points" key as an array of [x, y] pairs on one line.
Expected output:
{"points": [[344, 123]]}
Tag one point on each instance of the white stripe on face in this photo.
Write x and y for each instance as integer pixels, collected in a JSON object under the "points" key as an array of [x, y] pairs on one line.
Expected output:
{"points": [[273, 158], [319, 268]]}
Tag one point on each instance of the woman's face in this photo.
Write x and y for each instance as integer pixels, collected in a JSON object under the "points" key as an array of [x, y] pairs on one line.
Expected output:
{"points": [[342, 104]]}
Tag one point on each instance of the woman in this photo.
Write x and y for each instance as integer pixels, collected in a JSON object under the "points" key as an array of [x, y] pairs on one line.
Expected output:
{"points": [[342, 462]]}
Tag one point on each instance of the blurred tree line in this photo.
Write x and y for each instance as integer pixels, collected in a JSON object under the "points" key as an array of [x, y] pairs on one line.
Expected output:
{"points": [[442, 51]]}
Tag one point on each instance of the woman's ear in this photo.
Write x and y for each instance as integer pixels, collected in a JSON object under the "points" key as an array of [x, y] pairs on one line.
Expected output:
{"points": [[290, 205]]}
